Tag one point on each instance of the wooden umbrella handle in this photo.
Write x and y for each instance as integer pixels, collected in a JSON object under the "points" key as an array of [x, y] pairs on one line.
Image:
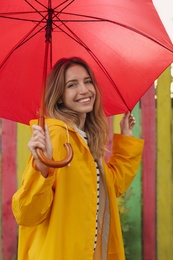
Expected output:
{"points": [[56, 164], [52, 163]]}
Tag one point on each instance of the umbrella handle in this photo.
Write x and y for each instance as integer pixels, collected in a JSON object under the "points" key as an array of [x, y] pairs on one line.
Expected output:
{"points": [[56, 164], [52, 163]]}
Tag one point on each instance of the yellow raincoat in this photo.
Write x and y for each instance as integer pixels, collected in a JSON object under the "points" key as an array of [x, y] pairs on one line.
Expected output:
{"points": [[57, 215]]}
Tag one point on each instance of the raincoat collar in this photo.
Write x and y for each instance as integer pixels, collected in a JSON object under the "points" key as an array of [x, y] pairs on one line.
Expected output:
{"points": [[54, 122], [57, 122]]}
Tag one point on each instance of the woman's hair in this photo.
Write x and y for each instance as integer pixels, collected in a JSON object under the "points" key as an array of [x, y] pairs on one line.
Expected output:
{"points": [[96, 124]]}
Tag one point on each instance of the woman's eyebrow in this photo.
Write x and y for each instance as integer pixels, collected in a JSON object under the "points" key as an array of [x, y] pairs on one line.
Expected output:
{"points": [[75, 80], [71, 80]]}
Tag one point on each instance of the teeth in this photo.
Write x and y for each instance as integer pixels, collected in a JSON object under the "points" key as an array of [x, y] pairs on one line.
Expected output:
{"points": [[84, 100]]}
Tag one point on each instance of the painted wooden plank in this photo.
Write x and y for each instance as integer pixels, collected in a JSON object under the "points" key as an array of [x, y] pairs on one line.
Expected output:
{"points": [[9, 227], [23, 136], [133, 203], [164, 169], [130, 204], [149, 175], [116, 123]]}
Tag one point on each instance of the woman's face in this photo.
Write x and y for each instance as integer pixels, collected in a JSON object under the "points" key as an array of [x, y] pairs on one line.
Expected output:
{"points": [[79, 94]]}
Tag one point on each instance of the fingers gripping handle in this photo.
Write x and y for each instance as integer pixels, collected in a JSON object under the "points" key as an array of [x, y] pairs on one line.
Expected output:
{"points": [[52, 163], [56, 164]]}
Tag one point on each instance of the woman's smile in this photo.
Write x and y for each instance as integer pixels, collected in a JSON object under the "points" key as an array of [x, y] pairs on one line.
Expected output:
{"points": [[84, 100]]}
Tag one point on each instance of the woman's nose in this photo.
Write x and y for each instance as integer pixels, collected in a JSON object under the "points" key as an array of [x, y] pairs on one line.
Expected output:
{"points": [[83, 88]]}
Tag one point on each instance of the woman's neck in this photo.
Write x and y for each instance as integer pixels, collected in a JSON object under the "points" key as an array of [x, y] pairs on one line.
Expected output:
{"points": [[82, 122]]}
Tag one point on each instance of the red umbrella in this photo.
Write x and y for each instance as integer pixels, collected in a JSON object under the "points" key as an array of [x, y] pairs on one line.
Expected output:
{"points": [[123, 41]]}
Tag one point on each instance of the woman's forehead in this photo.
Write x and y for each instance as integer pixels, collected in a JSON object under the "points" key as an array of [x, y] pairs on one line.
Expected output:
{"points": [[76, 72]]}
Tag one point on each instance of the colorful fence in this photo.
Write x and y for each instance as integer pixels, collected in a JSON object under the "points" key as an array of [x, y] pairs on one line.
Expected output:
{"points": [[147, 207]]}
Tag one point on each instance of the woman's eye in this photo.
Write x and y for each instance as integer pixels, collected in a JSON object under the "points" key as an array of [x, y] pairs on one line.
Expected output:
{"points": [[89, 81], [72, 85]]}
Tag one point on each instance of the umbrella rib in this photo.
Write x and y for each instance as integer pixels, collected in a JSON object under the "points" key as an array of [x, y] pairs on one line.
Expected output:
{"points": [[98, 19], [22, 19], [63, 4], [25, 12], [35, 9], [41, 4], [27, 39], [20, 43], [56, 6]]}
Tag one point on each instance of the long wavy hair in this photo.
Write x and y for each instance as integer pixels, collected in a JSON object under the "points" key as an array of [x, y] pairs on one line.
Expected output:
{"points": [[96, 124]]}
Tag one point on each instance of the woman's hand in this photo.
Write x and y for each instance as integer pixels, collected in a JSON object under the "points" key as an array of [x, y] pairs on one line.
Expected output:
{"points": [[127, 123], [40, 139]]}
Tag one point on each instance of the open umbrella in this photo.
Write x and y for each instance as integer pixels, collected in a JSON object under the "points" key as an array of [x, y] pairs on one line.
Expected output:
{"points": [[123, 41]]}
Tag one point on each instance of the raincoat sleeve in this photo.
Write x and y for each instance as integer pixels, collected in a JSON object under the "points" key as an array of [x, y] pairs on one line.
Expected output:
{"points": [[31, 204], [124, 161]]}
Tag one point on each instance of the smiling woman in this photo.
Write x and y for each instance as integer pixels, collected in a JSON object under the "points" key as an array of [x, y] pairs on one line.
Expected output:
{"points": [[72, 212]]}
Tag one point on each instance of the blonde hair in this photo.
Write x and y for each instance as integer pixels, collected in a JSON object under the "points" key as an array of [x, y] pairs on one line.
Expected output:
{"points": [[96, 124]]}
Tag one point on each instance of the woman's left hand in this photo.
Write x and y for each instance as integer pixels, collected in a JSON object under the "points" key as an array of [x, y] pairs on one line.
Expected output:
{"points": [[127, 123]]}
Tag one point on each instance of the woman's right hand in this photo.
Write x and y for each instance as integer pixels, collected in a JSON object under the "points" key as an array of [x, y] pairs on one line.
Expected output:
{"points": [[40, 139]]}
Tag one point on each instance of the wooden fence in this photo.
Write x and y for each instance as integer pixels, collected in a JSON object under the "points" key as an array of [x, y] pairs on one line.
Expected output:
{"points": [[147, 207]]}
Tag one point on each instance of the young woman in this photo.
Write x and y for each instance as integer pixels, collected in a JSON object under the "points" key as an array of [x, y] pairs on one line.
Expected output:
{"points": [[71, 213]]}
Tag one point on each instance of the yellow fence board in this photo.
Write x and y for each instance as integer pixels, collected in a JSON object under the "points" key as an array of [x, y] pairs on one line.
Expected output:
{"points": [[116, 123], [164, 169], [23, 136]]}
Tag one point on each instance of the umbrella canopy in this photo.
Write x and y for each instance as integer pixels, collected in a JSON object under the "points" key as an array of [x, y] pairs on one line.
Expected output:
{"points": [[123, 41]]}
